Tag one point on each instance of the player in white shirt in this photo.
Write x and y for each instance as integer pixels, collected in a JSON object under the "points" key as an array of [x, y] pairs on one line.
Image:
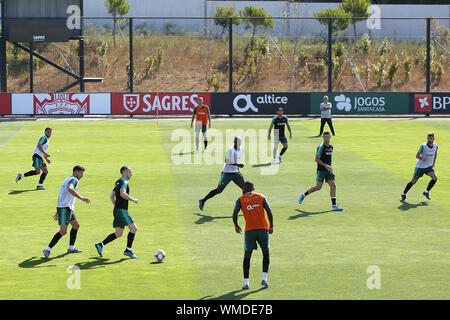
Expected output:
{"points": [[426, 159], [230, 171], [40, 153], [64, 210]]}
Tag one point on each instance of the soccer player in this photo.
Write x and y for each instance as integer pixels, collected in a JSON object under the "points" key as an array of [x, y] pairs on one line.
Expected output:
{"points": [[426, 159], [120, 197], [257, 230], [325, 115], [230, 171], [64, 210], [40, 153], [202, 119], [324, 171], [278, 123]]}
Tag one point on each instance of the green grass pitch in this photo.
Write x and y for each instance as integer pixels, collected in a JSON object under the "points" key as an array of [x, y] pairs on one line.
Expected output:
{"points": [[315, 253]]}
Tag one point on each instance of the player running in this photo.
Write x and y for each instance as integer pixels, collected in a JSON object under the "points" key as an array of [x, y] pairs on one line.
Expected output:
{"points": [[202, 119], [426, 159], [64, 211], [40, 153], [324, 171], [120, 197], [257, 230], [230, 171], [278, 123]]}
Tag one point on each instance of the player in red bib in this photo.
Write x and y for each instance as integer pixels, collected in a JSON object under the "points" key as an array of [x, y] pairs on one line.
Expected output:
{"points": [[202, 119], [257, 229]]}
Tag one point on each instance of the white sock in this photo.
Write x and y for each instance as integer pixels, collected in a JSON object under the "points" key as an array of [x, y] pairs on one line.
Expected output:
{"points": [[102, 244], [48, 249], [39, 184], [22, 176], [246, 283], [129, 249], [426, 191], [264, 276], [71, 247]]}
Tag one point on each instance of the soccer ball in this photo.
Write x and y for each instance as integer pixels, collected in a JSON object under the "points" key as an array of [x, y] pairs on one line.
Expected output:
{"points": [[160, 255]]}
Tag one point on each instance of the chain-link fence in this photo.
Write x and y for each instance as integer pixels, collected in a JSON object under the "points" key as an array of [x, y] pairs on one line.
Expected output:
{"points": [[238, 54]]}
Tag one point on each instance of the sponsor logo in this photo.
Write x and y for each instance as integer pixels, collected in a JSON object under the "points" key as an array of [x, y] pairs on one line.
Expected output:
{"points": [[39, 38], [60, 103], [360, 104], [441, 102], [164, 103], [262, 99], [131, 102], [422, 102]]}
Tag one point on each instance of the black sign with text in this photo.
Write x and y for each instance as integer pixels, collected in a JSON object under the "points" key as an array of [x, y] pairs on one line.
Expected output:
{"points": [[254, 103]]}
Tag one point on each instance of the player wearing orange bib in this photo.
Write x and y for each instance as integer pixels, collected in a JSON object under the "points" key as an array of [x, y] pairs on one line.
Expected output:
{"points": [[257, 229], [202, 119]]}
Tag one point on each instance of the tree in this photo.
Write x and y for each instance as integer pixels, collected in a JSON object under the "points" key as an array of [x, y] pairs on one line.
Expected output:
{"points": [[256, 18], [116, 8], [358, 10], [338, 25], [221, 18]]}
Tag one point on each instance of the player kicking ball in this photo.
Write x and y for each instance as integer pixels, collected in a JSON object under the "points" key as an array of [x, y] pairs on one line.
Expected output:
{"points": [[64, 211], [120, 197], [40, 153], [257, 230], [426, 159], [324, 171], [230, 171]]}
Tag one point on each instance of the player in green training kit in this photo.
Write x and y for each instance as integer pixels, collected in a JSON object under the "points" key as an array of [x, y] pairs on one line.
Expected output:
{"points": [[324, 171], [40, 153], [64, 210], [426, 159], [230, 171], [278, 123], [120, 197]]}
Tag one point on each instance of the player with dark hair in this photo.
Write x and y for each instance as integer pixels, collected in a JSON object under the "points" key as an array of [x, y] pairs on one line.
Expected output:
{"points": [[64, 210], [40, 153], [426, 159], [230, 171], [257, 229], [120, 197], [202, 119], [324, 171], [278, 123]]}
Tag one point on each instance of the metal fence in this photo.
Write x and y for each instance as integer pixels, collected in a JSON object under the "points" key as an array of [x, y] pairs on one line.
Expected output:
{"points": [[236, 54]]}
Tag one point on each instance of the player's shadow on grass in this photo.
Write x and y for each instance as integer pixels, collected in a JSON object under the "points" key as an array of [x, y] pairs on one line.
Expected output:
{"points": [[233, 295], [406, 206], [262, 165], [182, 153], [14, 192], [34, 262], [303, 213], [97, 262], [204, 218]]}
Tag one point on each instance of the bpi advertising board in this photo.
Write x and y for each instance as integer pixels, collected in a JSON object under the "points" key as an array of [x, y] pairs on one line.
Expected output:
{"points": [[363, 102], [260, 103], [163, 103], [438, 103], [60, 103]]}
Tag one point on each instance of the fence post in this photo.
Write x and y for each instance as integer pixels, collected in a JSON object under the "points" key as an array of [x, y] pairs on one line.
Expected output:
{"points": [[428, 54], [81, 54], [31, 67], [230, 55], [131, 55], [330, 58], [3, 64]]}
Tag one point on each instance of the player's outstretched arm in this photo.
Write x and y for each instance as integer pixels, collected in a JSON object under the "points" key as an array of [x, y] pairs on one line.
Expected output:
{"points": [[269, 215], [289, 129], [73, 192], [435, 156], [237, 228], [112, 197], [270, 130], [125, 195]]}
